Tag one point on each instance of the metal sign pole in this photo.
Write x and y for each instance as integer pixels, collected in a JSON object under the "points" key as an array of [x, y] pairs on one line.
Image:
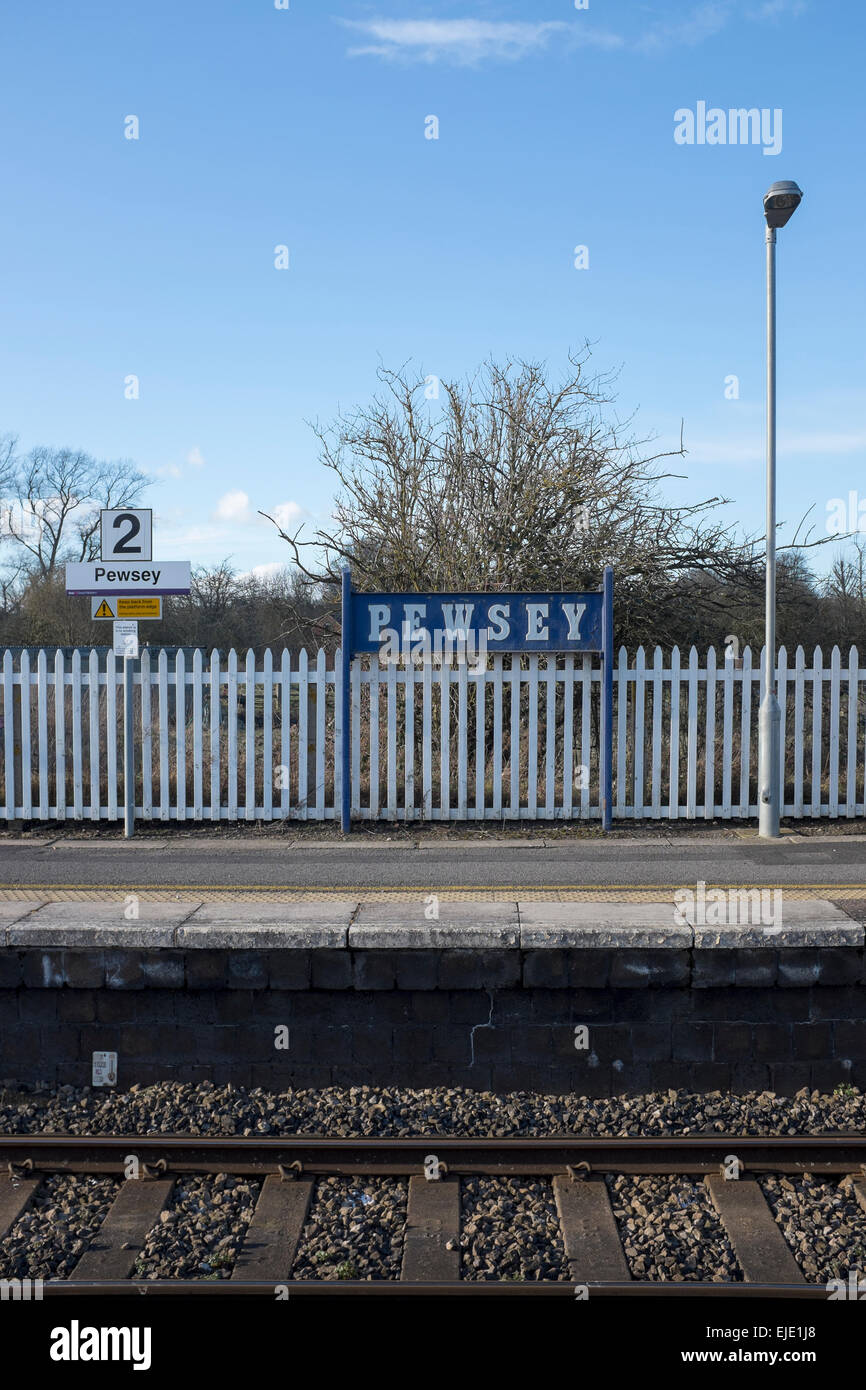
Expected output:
{"points": [[346, 706], [128, 751], [606, 760]]}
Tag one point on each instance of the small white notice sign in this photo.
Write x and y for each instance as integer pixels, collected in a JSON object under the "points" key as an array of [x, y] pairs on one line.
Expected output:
{"points": [[126, 638], [104, 1069]]}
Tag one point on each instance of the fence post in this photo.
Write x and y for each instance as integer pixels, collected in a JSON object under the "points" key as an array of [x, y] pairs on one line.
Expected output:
{"points": [[346, 706], [606, 760]]}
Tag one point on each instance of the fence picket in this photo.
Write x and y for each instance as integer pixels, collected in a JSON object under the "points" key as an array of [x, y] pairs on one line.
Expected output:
{"points": [[146, 738], [26, 750], [60, 736], [9, 734], [710, 739], [677, 744], [851, 761]]}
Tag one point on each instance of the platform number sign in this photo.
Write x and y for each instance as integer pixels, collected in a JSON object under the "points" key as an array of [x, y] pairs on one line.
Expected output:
{"points": [[126, 533]]}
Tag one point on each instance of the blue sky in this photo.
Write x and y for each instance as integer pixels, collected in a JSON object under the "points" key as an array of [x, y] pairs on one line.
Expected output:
{"points": [[305, 127]]}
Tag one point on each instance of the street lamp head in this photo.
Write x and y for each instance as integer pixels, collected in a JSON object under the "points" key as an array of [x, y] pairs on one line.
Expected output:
{"points": [[781, 202]]}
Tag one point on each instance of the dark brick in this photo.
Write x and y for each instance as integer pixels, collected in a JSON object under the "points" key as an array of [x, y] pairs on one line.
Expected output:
{"points": [[37, 1006], [731, 1041], [799, 966], [838, 1003], [713, 968], [417, 969], [692, 1042], [641, 1006], [413, 1045], [11, 968], [76, 1006], [641, 969], [479, 969], [650, 1041], [43, 969], [709, 1076], [451, 1045], [206, 969], [840, 965], [490, 1045], [84, 969], [333, 1046], [850, 1039], [755, 967], [115, 1008], [749, 1076], [248, 970], [162, 969], [123, 970], [772, 1042], [136, 1041], [289, 969], [826, 1076], [812, 1041], [470, 1006], [590, 968], [789, 1078], [332, 969], [370, 1046], [374, 970], [546, 970]]}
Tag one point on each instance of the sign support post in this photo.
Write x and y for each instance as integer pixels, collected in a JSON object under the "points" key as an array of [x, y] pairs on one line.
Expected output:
{"points": [[346, 705], [606, 759], [128, 751]]}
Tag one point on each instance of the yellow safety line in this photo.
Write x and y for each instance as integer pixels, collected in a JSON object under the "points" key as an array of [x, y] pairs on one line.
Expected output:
{"points": [[667, 888]]}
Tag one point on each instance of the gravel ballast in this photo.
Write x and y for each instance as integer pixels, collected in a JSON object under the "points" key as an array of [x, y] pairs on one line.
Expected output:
{"points": [[49, 1238], [354, 1230], [510, 1230], [201, 1233], [670, 1231], [822, 1222], [171, 1107]]}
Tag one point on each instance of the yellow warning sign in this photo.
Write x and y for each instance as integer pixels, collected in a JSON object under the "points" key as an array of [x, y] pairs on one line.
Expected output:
{"points": [[132, 606]]}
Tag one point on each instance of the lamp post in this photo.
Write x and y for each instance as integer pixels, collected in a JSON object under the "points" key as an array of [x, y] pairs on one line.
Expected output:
{"points": [[780, 204]]}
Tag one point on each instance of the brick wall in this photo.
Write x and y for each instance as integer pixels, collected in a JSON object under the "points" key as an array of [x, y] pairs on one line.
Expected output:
{"points": [[498, 1019]]}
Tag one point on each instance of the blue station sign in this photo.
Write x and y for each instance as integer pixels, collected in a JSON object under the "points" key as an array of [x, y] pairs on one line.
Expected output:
{"points": [[401, 628], [547, 622]]}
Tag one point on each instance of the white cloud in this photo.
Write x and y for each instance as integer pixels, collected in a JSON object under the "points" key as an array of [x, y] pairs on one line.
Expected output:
{"points": [[702, 23], [233, 506], [265, 571], [467, 41], [195, 458], [284, 513]]}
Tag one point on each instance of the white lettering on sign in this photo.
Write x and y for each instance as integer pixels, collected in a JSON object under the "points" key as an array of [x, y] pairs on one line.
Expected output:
{"points": [[536, 629], [499, 614], [457, 623], [573, 613], [380, 615], [412, 613]]}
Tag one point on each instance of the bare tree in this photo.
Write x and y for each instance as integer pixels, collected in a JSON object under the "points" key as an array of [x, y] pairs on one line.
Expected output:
{"points": [[57, 496], [515, 483]]}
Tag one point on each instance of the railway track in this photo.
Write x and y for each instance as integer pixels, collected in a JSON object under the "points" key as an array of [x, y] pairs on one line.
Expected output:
{"points": [[288, 1169]]}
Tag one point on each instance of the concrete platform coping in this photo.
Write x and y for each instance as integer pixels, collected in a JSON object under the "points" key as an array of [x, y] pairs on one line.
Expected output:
{"points": [[430, 925]]}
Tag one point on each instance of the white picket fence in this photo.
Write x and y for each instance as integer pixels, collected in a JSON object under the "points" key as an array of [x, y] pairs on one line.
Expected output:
{"points": [[221, 739]]}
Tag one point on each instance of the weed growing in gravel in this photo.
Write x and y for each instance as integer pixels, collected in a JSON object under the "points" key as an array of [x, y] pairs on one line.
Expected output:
{"points": [[347, 1270]]}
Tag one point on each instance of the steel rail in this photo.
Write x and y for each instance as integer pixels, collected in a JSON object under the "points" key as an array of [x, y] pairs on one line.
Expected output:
{"points": [[401, 1156], [396, 1288]]}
